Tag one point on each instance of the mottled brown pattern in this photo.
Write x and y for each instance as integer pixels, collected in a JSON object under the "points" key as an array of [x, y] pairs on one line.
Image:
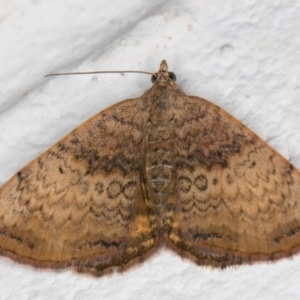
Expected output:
{"points": [[164, 169]]}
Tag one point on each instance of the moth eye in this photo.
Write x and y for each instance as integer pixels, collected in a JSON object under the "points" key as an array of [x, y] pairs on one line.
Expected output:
{"points": [[153, 78], [172, 76]]}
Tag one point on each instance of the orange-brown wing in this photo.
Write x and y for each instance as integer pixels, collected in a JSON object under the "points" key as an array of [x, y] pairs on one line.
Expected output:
{"points": [[238, 200], [81, 203]]}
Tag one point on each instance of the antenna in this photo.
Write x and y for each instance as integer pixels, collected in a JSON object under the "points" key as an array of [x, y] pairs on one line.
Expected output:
{"points": [[98, 72]]}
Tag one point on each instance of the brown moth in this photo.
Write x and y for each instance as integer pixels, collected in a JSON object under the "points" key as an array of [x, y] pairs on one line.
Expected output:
{"points": [[162, 170]]}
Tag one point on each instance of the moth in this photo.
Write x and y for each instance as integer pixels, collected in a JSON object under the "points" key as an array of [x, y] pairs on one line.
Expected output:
{"points": [[161, 170]]}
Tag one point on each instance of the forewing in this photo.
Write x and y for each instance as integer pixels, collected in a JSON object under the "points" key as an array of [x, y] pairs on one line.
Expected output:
{"points": [[81, 203], [237, 199]]}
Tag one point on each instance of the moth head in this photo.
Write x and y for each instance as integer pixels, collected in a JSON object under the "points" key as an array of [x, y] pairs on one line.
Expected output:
{"points": [[163, 75]]}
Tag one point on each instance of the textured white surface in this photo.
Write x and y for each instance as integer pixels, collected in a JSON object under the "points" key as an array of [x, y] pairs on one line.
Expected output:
{"points": [[242, 55]]}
